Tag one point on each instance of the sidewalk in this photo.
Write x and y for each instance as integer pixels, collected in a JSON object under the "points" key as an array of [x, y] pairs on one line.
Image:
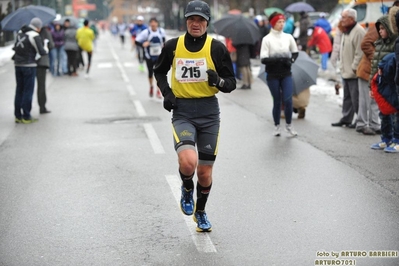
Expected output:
{"points": [[6, 53]]}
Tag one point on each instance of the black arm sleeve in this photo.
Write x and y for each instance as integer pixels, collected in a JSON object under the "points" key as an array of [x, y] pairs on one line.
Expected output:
{"points": [[138, 43], [163, 65], [224, 67], [269, 60], [47, 35], [294, 56], [39, 45]]}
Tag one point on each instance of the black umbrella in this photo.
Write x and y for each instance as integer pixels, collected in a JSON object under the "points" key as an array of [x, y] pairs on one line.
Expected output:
{"points": [[304, 73], [23, 16], [299, 7], [239, 29]]}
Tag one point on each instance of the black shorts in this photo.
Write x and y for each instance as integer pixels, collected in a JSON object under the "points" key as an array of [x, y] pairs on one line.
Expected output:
{"points": [[196, 124]]}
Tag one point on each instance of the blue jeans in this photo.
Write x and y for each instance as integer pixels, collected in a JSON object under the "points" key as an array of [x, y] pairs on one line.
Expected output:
{"points": [[390, 127], [64, 61], [281, 90], [25, 77], [59, 61], [324, 60]]}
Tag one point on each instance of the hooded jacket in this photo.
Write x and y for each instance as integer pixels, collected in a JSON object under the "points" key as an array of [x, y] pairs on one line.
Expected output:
{"points": [[383, 86], [394, 20], [382, 46], [27, 44]]}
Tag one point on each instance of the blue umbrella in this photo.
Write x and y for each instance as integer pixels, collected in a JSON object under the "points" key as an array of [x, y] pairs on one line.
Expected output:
{"points": [[299, 7], [23, 16]]}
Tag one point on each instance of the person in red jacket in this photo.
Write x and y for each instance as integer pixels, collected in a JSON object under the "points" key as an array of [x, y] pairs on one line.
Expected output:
{"points": [[319, 38]]}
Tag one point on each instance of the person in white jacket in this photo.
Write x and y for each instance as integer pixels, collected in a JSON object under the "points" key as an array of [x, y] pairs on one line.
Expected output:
{"points": [[278, 51]]}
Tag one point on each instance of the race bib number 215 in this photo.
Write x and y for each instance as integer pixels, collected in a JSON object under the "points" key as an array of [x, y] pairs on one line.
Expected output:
{"points": [[191, 70]]}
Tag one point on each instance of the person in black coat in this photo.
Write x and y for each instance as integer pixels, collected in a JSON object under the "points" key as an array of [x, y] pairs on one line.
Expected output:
{"points": [[42, 65], [244, 64]]}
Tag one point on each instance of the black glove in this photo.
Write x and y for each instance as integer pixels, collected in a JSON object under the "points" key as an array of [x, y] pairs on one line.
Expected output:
{"points": [[286, 61], [169, 101], [213, 78]]}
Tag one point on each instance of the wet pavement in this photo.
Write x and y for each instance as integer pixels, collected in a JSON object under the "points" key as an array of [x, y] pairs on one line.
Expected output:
{"points": [[95, 182]]}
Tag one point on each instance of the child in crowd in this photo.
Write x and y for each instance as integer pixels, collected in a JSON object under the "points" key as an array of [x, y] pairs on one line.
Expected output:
{"points": [[383, 82]]}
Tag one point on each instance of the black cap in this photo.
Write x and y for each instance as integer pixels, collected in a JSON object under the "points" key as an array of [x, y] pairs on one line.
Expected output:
{"points": [[199, 8]]}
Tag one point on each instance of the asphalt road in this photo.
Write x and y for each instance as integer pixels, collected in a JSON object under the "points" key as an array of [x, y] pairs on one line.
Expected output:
{"points": [[96, 182]]}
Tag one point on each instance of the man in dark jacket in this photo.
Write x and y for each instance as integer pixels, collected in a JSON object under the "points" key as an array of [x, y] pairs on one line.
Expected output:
{"points": [[304, 24], [28, 48], [42, 65], [201, 67]]}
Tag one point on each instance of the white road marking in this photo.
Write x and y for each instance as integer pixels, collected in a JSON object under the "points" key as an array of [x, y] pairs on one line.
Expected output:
{"points": [[104, 65], [129, 64], [139, 108], [123, 72], [154, 140], [114, 55], [201, 240], [149, 129], [118, 64], [130, 89]]}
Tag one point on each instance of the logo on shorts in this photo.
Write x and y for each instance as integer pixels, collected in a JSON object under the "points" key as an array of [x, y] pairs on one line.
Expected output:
{"points": [[209, 147], [185, 133]]}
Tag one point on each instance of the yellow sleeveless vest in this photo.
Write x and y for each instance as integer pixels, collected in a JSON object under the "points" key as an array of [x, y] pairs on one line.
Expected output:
{"points": [[189, 77]]}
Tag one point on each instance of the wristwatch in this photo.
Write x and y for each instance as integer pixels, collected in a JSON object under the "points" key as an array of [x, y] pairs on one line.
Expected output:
{"points": [[221, 83]]}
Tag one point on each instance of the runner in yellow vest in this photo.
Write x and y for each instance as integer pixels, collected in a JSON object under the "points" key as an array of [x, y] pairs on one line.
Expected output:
{"points": [[85, 37], [201, 67]]}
